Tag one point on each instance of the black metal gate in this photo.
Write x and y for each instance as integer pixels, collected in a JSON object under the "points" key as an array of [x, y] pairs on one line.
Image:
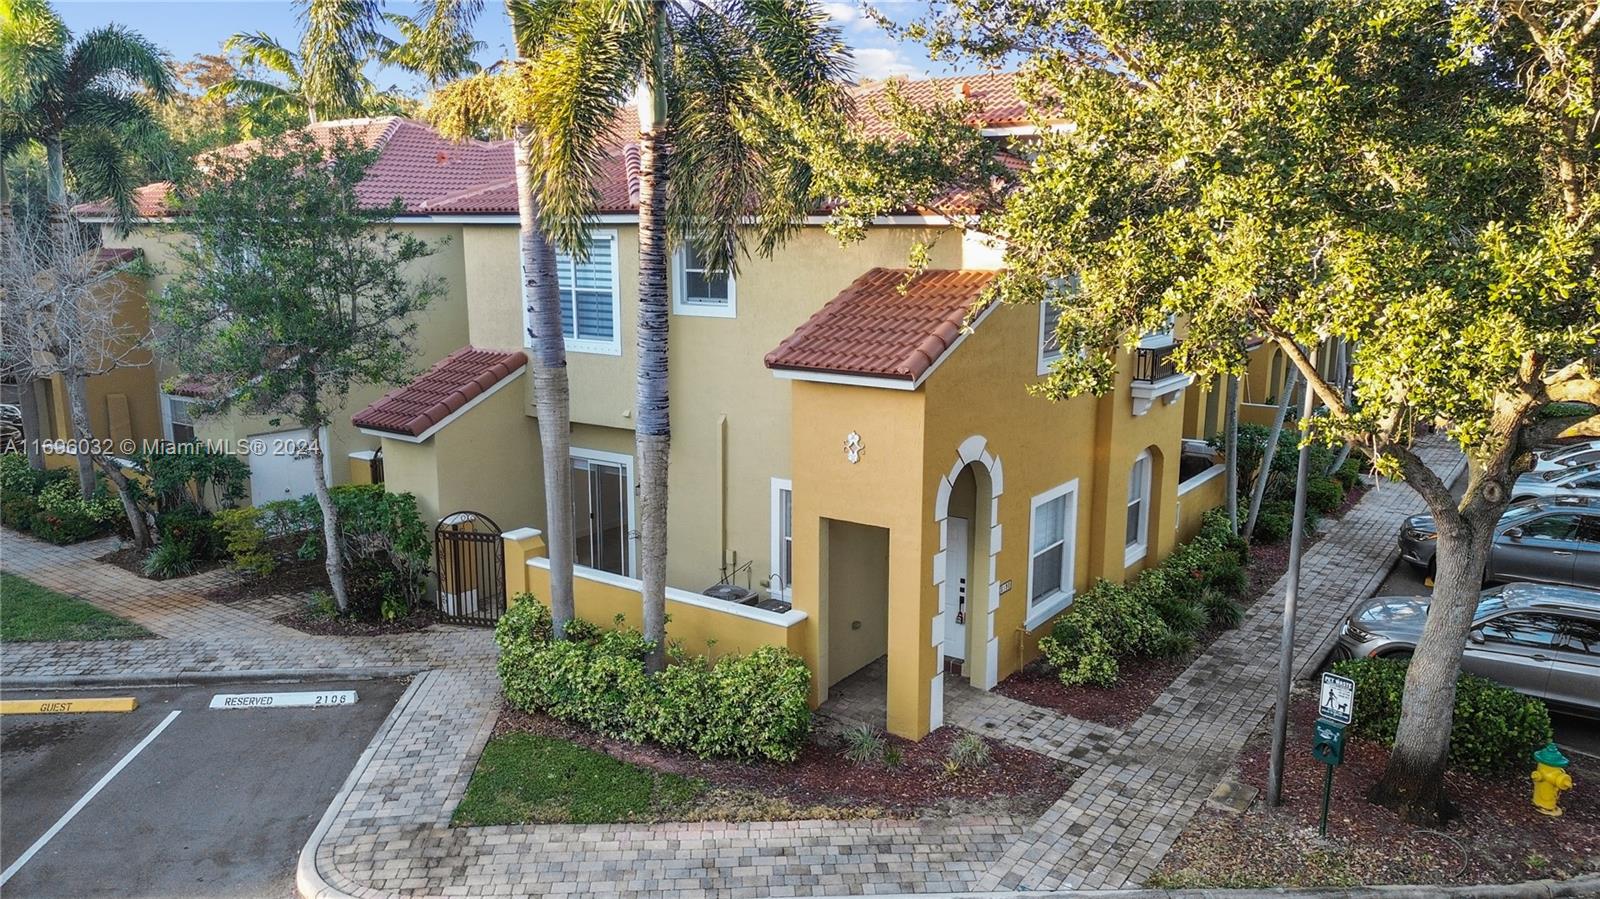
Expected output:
{"points": [[471, 561]]}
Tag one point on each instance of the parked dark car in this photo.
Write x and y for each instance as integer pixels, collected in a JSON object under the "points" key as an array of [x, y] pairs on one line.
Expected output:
{"points": [[1539, 639], [1552, 540]]}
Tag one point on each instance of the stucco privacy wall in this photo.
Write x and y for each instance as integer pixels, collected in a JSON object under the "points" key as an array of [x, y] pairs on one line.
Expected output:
{"points": [[486, 461], [730, 415], [700, 625], [441, 329]]}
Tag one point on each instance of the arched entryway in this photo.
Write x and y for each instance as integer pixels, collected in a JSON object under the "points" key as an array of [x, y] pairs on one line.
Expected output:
{"points": [[967, 512]]}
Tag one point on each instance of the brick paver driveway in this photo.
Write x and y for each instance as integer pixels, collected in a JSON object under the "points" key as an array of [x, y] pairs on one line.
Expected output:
{"points": [[389, 833]]}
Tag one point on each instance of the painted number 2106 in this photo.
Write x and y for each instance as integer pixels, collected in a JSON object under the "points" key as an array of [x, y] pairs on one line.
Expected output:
{"points": [[332, 699]]}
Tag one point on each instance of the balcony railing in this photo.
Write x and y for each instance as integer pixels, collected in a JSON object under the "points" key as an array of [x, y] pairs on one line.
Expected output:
{"points": [[1154, 363]]}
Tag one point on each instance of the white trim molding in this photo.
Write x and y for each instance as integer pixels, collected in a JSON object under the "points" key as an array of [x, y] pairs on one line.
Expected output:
{"points": [[1139, 475], [1209, 474], [780, 619], [973, 451], [1169, 390], [589, 346], [781, 486]]}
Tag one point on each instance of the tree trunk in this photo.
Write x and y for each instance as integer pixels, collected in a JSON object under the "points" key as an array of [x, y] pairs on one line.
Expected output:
{"points": [[78, 405], [541, 295], [82, 434], [654, 428], [1413, 782], [56, 190], [1230, 448], [32, 422], [334, 558], [1270, 452]]}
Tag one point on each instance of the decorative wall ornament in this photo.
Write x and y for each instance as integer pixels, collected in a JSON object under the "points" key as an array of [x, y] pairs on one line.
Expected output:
{"points": [[853, 447]]}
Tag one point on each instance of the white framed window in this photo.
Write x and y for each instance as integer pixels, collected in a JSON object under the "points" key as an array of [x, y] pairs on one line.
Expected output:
{"points": [[177, 424], [1162, 336], [1137, 542], [782, 537], [1061, 289], [1052, 548], [591, 290], [698, 290], [603, 511]]}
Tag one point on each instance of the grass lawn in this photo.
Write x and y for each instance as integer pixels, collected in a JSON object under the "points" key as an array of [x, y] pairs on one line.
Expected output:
{"points": [[526, 778], [30, 612]]}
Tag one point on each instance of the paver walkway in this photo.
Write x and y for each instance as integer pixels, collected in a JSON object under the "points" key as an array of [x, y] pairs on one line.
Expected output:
{"points": [[389, 834], [1112, 827]]}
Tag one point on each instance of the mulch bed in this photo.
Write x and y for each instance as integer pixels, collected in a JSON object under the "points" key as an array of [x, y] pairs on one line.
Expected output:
{"points": [[822, 784], [313, 622], [1500, 838], [131, 560], [295, 576], [1141, 680]]}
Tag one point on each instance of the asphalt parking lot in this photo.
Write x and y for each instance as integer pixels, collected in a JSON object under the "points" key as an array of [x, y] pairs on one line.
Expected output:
{"points": [[207, 802]]}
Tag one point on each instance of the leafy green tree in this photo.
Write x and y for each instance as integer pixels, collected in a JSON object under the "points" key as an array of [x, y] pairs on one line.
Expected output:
{"points": [[1414, 179], [438, 44], [707, 80], [291, 292]]}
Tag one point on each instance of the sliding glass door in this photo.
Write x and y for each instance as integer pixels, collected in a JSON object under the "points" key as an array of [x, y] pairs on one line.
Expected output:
{"points": [[601, 518]]}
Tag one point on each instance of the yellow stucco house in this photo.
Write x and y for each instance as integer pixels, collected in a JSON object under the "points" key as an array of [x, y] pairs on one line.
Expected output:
{"points": [[854, 474]]}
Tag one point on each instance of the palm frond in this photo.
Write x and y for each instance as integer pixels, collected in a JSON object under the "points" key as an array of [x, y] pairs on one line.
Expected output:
{"points": [[102, 166], [260, 49], [590, 64], [98, 106], [477, 106], [113, 54], [33, 42], [338, 38]]}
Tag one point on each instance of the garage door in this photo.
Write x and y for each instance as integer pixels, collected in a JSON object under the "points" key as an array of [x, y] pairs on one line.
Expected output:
{"points": [[280, 466]]}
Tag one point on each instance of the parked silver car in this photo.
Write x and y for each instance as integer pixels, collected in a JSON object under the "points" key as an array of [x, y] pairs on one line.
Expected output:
{"points": [[1538, 639], [1576, 480], [1555, 540], [1567, 455]]}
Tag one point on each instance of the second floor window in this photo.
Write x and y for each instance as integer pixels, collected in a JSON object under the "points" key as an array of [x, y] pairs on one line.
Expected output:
{"points": [[589, 307], [180, 424], [699, 290]]}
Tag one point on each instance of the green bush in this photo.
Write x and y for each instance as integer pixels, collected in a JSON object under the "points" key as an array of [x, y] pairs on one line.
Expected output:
{"points": [[1160, 613], [749, 706], [1494, 728], [1349, 474], [170, 559], [1275, 522], [1324, 495], [17, 511], [64, 516], [194, 529]]}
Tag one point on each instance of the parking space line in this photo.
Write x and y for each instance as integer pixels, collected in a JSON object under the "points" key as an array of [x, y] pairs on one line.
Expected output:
{"points": [[93, 791]]}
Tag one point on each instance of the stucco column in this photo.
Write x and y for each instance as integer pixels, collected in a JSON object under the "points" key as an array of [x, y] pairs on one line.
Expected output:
{"points": [[520, 545]]}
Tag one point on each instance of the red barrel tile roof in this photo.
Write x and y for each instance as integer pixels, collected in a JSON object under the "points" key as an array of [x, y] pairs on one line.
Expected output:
{"points": [[872, 329], [444, 389], [434, 176]]}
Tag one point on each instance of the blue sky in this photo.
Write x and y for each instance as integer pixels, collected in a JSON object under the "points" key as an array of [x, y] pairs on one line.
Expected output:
{"points": [[187, 27]]}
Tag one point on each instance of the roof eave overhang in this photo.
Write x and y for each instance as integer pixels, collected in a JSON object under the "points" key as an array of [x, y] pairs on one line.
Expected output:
{"points": [[882, 381], [439, 425]]}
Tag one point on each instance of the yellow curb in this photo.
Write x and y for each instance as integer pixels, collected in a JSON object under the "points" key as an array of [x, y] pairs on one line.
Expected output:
{"points": [[61, 706], [1427, 582]]}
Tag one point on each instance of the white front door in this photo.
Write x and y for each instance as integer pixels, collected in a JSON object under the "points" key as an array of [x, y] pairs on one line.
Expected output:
{"points": [[280, 466], [957, 551]]}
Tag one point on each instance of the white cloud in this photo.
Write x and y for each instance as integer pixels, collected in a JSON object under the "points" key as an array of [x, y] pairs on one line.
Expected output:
{"points": [[842, 13], [883, 62]]}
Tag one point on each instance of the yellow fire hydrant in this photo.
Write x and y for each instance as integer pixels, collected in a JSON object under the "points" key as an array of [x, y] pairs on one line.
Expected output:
{"points": [[1550, 779]]}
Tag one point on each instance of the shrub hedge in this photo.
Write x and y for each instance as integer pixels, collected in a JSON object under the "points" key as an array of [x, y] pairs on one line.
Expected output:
{"points": [[746, 707], [1494, 728], [1159, 613]]}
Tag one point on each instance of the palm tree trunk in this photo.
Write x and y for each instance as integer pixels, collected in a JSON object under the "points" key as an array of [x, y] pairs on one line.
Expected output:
{"points": [[333, 560], [1230, 449], [654, 426], [1270, 452], [541, 295], [56, 189]]}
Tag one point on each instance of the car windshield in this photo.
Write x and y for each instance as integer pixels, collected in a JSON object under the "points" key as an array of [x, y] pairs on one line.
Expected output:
{"points": [[1491, 603]]}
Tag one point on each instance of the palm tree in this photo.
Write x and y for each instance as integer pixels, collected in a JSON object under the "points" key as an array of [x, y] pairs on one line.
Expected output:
{"points": [[708, 79], [325, 78], [88, 103], [439, 47]]}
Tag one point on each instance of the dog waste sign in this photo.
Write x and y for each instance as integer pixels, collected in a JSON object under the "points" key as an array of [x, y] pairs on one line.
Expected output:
{"points": [[1338, 702]]}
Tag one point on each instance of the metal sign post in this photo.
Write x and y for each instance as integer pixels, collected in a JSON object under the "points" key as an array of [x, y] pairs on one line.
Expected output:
{"points": [[1336, 708]]}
